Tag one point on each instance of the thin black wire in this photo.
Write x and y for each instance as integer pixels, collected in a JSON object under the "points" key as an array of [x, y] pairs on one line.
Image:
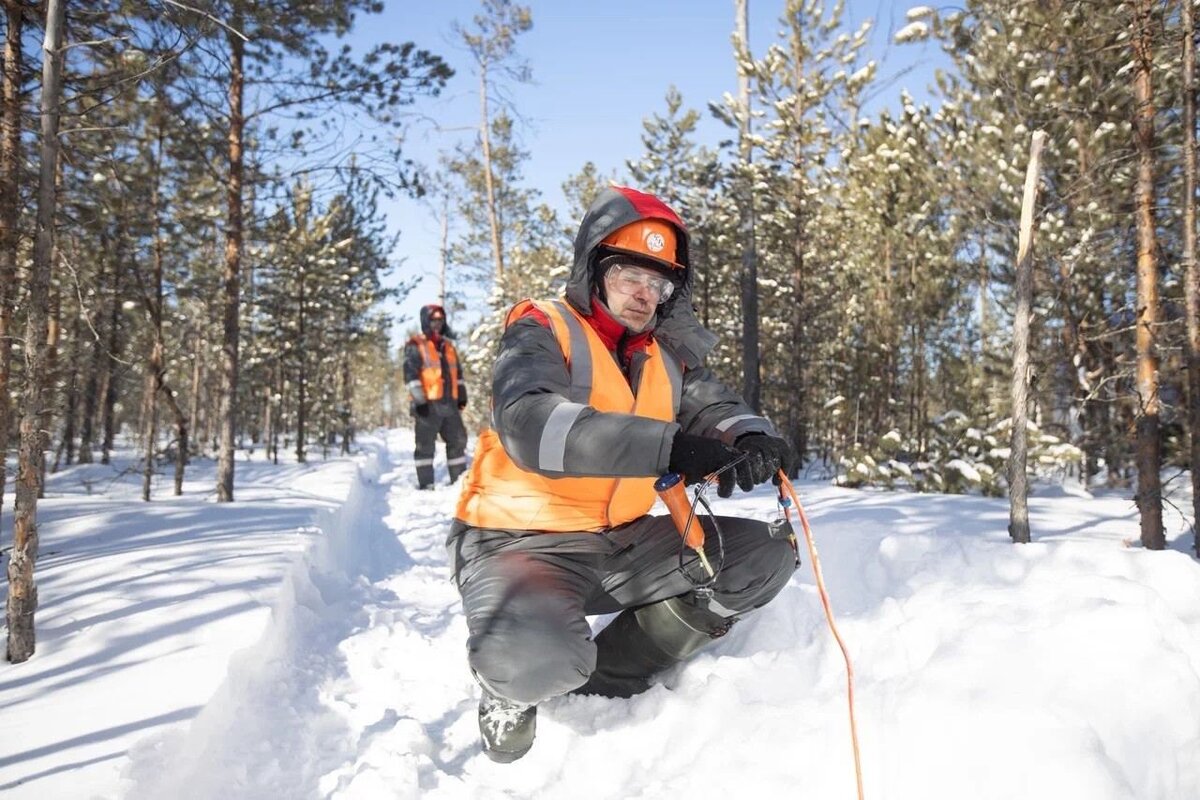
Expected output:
{"points": [[700, 499]]}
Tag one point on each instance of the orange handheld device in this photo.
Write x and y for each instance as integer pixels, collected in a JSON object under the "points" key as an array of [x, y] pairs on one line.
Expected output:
{"points": [[670, 490]]}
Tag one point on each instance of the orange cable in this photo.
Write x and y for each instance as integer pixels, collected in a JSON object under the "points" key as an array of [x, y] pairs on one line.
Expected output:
{"points": [[816, 563]]}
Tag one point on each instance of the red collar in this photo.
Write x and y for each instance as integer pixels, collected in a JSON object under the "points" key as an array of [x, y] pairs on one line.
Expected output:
{"points": [[611, 329]]}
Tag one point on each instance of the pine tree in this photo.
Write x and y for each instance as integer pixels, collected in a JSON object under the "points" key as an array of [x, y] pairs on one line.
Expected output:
{"points": [[1149, 459], [492, 44], [10, 174], [22, 591], [807, 83], [1191, 268]]}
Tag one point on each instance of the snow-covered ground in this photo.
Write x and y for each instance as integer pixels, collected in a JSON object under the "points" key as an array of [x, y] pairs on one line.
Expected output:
{"points": [[306, 642]]}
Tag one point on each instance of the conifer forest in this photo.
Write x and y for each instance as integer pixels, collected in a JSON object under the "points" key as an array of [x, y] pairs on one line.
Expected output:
{"points": [[193, 258]]}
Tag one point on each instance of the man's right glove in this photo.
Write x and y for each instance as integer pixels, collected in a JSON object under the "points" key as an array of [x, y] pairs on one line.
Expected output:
{"points": [[422, 409], [768, 454], [694, 457]]}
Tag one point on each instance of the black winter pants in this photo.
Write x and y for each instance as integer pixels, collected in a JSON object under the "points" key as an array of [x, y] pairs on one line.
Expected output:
{"points": [[526, 595], [444, 419]]}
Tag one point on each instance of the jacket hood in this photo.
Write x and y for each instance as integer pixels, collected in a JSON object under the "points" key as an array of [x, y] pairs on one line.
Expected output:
{"points": [[615, 207], [426, 313]]}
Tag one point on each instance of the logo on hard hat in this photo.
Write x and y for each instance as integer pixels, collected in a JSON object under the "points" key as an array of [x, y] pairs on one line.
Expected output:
{"points": [[655, 242]]}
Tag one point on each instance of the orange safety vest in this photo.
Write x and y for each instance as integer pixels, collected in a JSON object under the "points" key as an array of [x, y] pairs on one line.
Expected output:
{"points": [[500, 494], [431, 367]]}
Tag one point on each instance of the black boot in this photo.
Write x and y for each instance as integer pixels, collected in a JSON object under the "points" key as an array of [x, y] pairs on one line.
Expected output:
{"points": [[642, 642], [505, 728]]}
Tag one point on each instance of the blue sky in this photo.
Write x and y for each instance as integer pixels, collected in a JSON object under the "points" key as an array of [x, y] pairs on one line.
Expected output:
{"points": [[599, 69]]}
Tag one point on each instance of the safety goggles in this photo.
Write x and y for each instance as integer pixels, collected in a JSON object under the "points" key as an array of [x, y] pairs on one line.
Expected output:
{"points": [[630, 278]]}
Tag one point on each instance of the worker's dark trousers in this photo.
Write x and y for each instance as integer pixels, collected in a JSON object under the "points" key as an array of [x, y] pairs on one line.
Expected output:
{"points": [[444, 419], [526, 595]]}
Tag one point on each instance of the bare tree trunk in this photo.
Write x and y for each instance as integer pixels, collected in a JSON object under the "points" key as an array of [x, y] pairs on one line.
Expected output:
{"points": [[50, 377], [275, 423], [10, 171], [181, 439], [233, 264], [485, 138], [22, 591], [301, 378], [347, 386], [1192, 272], [798, 382], [156, 372], [751, 374], [1149, 493], [443, 251], [52, 401], [197, 373], [153, 301], [268, 418], [87, 430], [914, 424], [110, 361], [347, 405], [1082, 356], [150, 424], [71, 411], [921, 368], [1018, 486]]}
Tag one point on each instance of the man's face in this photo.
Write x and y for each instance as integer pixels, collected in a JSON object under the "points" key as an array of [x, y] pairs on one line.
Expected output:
{"points": [[634, 293], [436, 323]]}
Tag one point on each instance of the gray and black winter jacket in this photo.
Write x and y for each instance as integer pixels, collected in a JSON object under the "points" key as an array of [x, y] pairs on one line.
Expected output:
{"points": [[531, 377]]}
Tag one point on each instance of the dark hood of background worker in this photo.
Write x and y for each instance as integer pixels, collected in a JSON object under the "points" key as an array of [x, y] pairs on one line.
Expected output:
{"points": [[433, 375], [594, 396]]}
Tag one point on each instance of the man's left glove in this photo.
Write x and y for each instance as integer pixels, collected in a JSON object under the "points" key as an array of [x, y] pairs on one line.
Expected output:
{"points": [[768, 454], [462, 397]]}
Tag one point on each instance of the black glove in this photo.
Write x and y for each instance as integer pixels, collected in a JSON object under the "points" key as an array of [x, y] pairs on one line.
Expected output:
{"points": [[462, 397], [694, 457], [422, 409], [768, 454]]}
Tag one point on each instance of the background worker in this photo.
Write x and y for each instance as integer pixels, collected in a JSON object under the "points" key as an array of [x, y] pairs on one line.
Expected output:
{"points": [[433, 375]]}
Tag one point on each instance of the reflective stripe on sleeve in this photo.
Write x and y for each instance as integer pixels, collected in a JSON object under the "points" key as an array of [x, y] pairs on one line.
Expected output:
{"points": [[552, 449], [726, 424]]}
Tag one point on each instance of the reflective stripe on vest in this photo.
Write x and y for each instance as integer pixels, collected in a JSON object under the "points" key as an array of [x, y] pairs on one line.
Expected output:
{"points": [[500, 494], [432, 381]]}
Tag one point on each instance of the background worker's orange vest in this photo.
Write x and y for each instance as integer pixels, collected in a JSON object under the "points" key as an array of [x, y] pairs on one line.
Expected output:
{"points": [[500, 494], [431, 367]]}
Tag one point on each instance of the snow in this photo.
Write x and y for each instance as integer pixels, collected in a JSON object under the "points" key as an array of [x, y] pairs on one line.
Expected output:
{"points": [[306, 641], [913, 31], [966, 470]]}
